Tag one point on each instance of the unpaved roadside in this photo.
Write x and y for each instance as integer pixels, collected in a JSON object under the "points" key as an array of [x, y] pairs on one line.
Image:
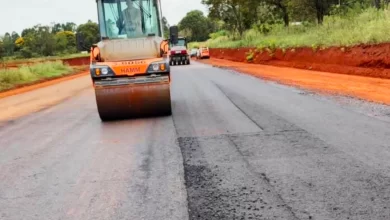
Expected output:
{"points": [[371, 89], [40, 84], [19, 102]]}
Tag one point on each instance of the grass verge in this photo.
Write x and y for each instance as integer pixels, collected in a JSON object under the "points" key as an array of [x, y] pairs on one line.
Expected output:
{"points": [[27, 74], [42, 59], [367, 27]]}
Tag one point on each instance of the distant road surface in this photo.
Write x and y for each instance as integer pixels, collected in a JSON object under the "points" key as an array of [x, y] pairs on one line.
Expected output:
{"points": [[235, 147]]}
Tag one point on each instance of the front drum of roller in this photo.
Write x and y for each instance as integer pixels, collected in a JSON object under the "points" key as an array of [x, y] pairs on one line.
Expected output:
{"points": [[133, 101]]}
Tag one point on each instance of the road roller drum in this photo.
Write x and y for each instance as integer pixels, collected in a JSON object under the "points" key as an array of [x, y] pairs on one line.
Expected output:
{"points": [[133, 98]]}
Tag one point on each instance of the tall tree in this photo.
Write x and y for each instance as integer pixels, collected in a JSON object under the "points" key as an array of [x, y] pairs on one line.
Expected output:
{"points": [[38, 40], [42, 41], [377, 4], [238, 15], [69, 26], [196, 24], [90, 30], [14, 36], [282, 6], [1, 48], [165, 27], [8, 44], [322, 8], [56, 28], [301, 10], [27, 31], [65, 42]]}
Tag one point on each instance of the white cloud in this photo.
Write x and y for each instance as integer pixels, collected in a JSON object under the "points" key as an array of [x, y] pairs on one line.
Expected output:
{"points": [[175, 10]]}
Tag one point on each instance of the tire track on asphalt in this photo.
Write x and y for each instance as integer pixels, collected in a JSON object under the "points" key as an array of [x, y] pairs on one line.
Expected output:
{"points": [[238, 107], [249, 167], [262, 176], [325, 181]]}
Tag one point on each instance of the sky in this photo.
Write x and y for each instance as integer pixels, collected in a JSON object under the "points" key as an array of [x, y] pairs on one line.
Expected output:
{"points": [[20, 14]]}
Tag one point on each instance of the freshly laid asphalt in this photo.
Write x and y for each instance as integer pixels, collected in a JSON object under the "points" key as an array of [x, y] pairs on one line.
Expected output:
{"points": [[235, 147]]}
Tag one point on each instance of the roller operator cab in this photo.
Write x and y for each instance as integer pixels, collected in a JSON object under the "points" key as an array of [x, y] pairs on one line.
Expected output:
{"points": [[129, 66]]}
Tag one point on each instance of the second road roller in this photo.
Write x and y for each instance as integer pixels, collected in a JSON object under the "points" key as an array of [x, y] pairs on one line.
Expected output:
{"points": [[129, 66]]}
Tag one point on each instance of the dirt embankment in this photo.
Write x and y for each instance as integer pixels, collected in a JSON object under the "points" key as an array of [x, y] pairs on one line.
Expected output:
{"points": [[78, 61], [367, 88], [361, 60]]}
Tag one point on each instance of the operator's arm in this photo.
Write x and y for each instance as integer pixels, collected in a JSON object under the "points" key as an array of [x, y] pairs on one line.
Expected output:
{"points": [[120, 23]]}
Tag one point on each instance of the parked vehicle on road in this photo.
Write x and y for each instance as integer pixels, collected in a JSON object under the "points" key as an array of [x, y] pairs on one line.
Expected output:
{"points": [[193, 52], [203, 53]]}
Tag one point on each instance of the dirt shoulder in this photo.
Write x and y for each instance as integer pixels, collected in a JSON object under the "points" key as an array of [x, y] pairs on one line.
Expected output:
{"points": [[367, 88], [34, 96], [360, 60], [41, 83], [26, 100]]}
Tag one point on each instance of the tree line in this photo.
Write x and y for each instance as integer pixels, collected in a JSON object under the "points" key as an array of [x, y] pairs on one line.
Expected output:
{"points": [[49, 40], [45, 40], [237, 16]]}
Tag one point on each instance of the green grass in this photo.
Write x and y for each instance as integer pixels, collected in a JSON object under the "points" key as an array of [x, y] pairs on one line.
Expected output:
{"points": [[40, 59], [10, 78], [368, 27]]}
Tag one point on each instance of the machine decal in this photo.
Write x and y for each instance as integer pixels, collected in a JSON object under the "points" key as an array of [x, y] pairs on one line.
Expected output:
{"points": [[131, 70]]}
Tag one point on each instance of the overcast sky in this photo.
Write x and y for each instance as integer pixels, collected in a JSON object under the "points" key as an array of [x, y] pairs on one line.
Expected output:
{"points": [[20, 14]]}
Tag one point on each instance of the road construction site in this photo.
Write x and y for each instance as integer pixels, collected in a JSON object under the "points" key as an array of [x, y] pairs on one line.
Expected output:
{"points": [[237, 146]]}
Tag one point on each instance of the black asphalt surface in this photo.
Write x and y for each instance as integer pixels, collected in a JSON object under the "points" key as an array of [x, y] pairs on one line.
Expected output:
{"points": [[235, 147]]}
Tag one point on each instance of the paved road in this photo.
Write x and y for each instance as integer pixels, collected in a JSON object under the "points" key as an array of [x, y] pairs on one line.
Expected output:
{"points": [[235, 147]]}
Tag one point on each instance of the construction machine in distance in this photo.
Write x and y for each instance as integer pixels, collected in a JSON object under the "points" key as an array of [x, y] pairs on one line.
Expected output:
{"points": [[178, 54], [129, 66], [203, 53]]}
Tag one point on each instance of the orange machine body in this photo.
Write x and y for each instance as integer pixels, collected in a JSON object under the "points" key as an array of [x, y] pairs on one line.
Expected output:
{"points": [[129, 68]]}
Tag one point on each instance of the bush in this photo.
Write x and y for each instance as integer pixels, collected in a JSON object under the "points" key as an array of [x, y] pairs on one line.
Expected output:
{"points": [[218, 34], [368, 27], [26, 53]]}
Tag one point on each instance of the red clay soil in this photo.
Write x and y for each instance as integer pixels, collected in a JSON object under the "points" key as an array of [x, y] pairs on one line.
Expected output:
{"points": [[368, 88], [79, 61], [361, 60]]}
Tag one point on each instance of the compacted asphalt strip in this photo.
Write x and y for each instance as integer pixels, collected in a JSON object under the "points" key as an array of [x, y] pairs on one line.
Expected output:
{"points": [[235, 147]]}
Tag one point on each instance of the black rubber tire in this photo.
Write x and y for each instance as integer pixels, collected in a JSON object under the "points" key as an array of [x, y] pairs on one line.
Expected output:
{"points": [[105, 118]]}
